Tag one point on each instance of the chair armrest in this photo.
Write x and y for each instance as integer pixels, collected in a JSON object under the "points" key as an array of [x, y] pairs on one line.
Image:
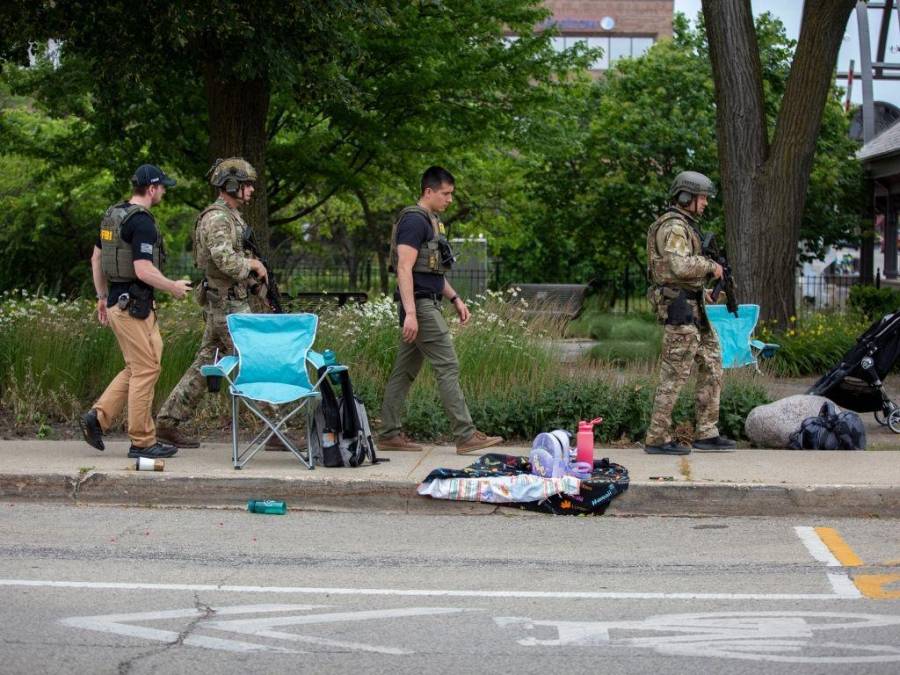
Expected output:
{"points": [[766, 349], [315, 358], [318, 361], [221, 368]]}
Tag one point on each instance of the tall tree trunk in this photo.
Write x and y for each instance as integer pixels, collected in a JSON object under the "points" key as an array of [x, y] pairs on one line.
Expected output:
{"points": [[764, 184], [384, 279], [379, 234], [238, 113]]}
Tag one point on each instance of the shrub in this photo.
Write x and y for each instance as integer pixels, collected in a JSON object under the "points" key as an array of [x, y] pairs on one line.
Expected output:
{"points": [[812, 345], [874, 302], [625, 407]]}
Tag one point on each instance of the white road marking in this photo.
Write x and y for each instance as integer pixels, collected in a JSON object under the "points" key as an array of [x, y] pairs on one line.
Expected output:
{"points": [[121, 624], [263, 627], [816, 547], [400, 592], [840, 581], [843, 585], [784, 637], [117, 624]]}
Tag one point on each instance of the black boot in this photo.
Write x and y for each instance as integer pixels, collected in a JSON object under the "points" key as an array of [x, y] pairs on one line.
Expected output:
{"points": [[90, 429], [156, 451], [714, 444], [670, 448]]}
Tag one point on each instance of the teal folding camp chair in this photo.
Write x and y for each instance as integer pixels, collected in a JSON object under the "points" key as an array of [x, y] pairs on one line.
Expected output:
{"points": [[735, 336], [272, 353]]}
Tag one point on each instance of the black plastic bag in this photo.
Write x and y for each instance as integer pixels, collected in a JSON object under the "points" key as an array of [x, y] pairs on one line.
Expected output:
{"points": [[830, 430]]}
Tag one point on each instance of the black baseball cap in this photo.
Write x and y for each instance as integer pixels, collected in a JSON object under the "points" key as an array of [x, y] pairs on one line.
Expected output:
{"points": [[148, 174]]}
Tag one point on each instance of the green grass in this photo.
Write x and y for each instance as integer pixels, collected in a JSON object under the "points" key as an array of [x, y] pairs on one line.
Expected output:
{"points": [[55, 360]]}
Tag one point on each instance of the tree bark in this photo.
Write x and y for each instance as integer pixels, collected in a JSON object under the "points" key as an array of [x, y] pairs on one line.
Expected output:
{"points": [[764, 183], [238, 113], [378, 232]]}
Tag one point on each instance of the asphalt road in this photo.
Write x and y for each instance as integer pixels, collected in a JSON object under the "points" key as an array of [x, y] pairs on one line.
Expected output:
{"points": [[117, 590]]}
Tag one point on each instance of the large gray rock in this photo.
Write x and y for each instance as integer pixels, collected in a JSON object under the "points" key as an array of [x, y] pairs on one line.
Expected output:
{"points": [[770, 425]]}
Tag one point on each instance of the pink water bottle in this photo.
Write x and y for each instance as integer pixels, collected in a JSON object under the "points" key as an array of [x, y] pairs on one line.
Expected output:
{"points": [[585, 441]]}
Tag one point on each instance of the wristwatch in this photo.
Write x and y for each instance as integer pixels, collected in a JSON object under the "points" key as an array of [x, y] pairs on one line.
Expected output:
{"points": [[102, 296], [454, 299]]}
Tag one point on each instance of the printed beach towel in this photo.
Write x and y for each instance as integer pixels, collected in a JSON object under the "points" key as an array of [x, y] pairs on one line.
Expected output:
{"points": [[489, 479]]}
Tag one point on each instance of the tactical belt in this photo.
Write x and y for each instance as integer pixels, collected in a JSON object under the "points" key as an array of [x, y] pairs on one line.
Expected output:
{"points": [[674, 293], [421, 295], [229, 293]]}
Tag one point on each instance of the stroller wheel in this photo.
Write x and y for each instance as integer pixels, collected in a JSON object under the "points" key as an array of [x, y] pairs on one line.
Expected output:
{"points": [[883, 417], [894, 421]]}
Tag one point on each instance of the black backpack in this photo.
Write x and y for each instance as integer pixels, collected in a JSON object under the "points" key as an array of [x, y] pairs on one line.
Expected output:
{"points": [[340, 433], [830, 430]]}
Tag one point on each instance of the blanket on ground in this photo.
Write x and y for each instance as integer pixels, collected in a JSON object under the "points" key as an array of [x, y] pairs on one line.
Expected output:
{"points": [[499, 478]]}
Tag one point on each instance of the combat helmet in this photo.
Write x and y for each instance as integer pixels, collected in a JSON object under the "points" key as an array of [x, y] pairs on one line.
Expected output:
{"points": [[689, 184], [228, 174]]}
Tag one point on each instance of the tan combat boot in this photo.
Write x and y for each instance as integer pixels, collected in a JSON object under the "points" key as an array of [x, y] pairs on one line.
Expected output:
{"points": [[477, 441], [400, 442], [175, 436]]}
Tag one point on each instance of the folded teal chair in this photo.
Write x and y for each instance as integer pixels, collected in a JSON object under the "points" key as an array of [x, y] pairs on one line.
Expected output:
{"points": [[735, 336], [272, 354]]}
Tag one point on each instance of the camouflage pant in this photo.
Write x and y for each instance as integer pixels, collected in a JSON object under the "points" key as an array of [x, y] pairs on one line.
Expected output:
{"points": [[682, 347], [186, 395]]}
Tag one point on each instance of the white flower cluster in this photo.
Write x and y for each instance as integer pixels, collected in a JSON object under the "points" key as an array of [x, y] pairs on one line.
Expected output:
{"points": [[19, 305]]}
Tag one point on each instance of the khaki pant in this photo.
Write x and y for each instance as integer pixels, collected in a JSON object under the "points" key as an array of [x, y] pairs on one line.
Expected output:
{"points": [[433, 344], [141, 346], [683, 347]]}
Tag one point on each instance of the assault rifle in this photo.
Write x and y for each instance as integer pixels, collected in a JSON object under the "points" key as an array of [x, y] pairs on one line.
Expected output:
{"points": [[273, 295], [726, 283]]}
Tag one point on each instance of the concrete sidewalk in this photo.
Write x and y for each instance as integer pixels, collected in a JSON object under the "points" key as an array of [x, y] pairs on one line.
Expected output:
{"points": [[747, 482]]}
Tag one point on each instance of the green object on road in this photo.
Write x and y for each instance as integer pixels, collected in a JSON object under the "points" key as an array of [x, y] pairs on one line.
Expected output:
{"points": [[271, 506]]}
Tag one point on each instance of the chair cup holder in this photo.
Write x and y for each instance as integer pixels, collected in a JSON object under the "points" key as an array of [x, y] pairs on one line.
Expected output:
{"points": [[213, 383]]}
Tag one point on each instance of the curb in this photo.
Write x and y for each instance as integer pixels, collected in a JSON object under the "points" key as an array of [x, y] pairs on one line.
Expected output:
{"points": [[641, 499]]}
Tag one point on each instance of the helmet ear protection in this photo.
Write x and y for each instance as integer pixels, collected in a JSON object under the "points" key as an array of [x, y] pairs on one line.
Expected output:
{"points": [[229, 174], [684, 198], [231, 185]]}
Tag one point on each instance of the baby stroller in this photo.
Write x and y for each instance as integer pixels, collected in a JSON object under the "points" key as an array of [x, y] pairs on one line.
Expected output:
{"points": [[857, 383]]}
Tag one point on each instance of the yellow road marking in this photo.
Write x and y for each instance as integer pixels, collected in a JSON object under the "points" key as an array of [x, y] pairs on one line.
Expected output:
{"points": [[838, 547], [872, 586]]}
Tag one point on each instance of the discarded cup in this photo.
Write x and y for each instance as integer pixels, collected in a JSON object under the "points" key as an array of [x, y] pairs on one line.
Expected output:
{"points": [[270, 506], [147, 464]]}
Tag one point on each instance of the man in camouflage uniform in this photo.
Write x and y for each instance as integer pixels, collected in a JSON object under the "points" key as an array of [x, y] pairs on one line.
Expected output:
{"points": [[229, 271], [678, 273]]}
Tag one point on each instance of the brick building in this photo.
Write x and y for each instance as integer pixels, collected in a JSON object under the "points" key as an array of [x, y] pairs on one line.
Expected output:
{"points": [[622, 28]]}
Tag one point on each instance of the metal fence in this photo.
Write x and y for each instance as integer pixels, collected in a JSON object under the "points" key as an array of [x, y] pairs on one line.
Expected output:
{"points": [[616, 291], [818, 292]]}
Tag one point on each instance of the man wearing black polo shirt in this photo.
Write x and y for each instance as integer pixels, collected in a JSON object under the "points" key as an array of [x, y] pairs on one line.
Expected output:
{"points": [[419, 260], [126, 267]]}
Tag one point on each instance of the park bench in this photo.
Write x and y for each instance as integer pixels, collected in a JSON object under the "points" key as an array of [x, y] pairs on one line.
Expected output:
{"points": [[555, 301]]}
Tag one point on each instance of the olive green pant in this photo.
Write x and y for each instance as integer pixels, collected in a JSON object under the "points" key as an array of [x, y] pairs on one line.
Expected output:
{"points": [[433, 344]]}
